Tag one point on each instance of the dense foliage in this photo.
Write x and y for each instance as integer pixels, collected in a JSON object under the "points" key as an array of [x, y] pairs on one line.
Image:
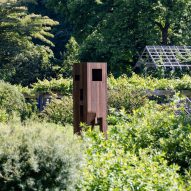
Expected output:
{"points": [[62, 86], [116, 31], [59, 110], [38, 156], [127, 92], [123, 83], [11, 100], [148, 150], [150, 83], [22, 59], [70, 57], [149, 136], [147, 147]]}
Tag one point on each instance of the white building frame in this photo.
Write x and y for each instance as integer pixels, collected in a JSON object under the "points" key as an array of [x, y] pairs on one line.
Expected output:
{"points": [[165, 56]]}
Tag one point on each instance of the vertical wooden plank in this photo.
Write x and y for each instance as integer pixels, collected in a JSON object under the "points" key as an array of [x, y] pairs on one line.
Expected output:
{"points": [[94, 101]]}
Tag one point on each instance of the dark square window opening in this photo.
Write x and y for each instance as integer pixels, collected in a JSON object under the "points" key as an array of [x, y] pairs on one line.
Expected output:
{"points": [[96, 74], [77, 77]]}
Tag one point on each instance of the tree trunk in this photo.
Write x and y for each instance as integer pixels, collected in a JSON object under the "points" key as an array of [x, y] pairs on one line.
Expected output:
{"points": [[165, 34]]}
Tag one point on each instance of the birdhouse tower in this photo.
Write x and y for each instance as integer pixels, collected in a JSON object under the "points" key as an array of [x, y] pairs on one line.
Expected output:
{"points": [[90, 95]]}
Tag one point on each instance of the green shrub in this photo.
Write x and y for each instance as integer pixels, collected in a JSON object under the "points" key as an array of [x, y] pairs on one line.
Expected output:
{"points": [[157, 127], [116, 116], [61, 85], [4, 117], [59, 110], [71, 57], [130, 99], [29, 110], [150, 83], [122, 94], [184, 83], [38, 156], [149, 149], [26, 91], [110, 167], [11, 99]]}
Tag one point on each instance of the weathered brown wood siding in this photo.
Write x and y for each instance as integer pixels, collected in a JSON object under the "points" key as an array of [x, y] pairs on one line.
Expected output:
{"points": [[90, 95]]}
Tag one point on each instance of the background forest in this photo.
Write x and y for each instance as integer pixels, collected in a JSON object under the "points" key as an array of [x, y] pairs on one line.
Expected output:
{"points": [[43, 38], [149, 135]]}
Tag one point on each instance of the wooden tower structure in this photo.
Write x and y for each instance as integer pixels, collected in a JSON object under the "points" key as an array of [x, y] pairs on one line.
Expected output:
{"points": [[90, 95]]}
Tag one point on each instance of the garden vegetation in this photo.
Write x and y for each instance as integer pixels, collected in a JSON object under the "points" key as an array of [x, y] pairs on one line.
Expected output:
{"points": [[147, 146], [149, 135]]}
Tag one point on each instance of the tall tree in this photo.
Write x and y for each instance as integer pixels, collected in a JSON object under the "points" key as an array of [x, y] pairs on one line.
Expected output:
{"points": [[116, 31], [172, 18], [70, 57], [18, 52], [62, 31]]}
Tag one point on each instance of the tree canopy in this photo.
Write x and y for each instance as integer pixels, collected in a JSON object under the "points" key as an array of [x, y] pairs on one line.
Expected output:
{"points": [[104, 30], [25, 52], [115, 31]]}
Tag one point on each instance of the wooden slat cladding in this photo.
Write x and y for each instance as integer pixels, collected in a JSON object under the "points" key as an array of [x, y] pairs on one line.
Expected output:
{"points": [[90, 95]]}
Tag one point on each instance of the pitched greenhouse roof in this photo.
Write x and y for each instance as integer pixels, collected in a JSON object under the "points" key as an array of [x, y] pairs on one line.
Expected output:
{"points": [[165, 56]]}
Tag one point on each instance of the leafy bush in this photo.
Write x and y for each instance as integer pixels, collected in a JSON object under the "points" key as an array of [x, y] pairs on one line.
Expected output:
{"points": [[122, 94], [184, 83], [110, 167], [150, 83], [26, 91], [134, 92], [70, 57], [158, 127], [130, 99], [63, 86], [147, 150], [117, 116], [11, 99], [59, 110], [38, 156], [4, 117], [128, 92], [29, 109], [135, 82]]}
